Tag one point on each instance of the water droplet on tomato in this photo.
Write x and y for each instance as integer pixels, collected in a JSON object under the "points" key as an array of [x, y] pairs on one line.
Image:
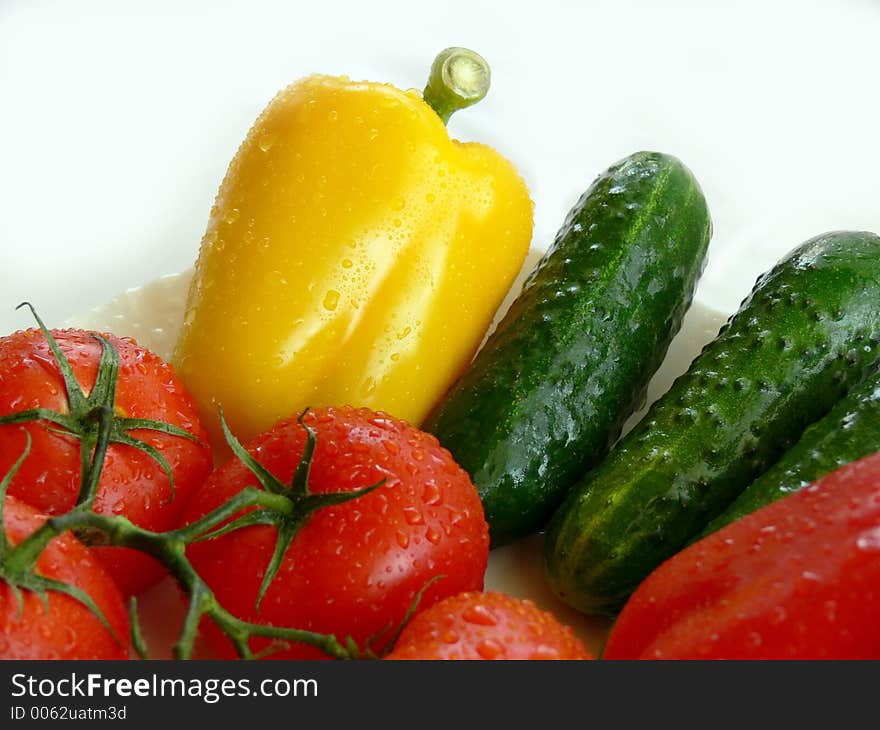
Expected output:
{"points": [[545, 652], [479, 615], [413, 516], [490, 649], [431, 494]]}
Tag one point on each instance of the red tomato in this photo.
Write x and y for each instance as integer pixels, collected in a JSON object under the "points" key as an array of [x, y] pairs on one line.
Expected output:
{"points": [[67, 630], [487, 626], [132, 483], [798, 579], [355, 568]]}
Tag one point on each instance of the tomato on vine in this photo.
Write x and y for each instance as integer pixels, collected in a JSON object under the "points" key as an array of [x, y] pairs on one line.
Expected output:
{"points": [[53, 386], [350, 569], [70, 609]]}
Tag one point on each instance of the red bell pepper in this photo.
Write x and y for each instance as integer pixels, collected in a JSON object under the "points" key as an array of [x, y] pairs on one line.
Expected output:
{"points": [[798, 579]]}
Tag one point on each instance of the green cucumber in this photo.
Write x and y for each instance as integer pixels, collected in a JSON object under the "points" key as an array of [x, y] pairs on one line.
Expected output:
{"points": [[850, 431], [549, 392], [808, 332]]}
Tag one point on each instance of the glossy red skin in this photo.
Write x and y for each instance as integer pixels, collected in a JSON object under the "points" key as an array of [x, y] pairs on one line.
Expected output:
{"points": [[132, 484], [354, 569], [68, 630], [487, 626], [798, 579]]}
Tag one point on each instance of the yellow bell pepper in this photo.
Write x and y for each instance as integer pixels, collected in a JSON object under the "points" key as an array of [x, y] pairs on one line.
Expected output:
{"points": [[355, 254]]}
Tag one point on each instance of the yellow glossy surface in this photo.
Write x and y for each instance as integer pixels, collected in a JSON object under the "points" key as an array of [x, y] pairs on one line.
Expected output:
{"points": [[355, 255]]}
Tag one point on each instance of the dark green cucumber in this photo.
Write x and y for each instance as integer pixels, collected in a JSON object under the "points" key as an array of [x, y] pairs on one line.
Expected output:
{"points": [[807, 334], [850, 431], [549, 392]]}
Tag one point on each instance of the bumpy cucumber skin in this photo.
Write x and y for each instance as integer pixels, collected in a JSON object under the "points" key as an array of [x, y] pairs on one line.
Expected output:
{"points": [[850, 431], [549, 392], [806, 334]]}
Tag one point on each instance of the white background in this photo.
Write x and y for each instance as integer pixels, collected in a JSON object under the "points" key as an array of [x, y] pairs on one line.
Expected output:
{"points": [[118, 119]]}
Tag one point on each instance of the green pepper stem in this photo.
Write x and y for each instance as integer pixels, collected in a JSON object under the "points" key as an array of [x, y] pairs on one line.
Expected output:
{"points": [[459, 78]]}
